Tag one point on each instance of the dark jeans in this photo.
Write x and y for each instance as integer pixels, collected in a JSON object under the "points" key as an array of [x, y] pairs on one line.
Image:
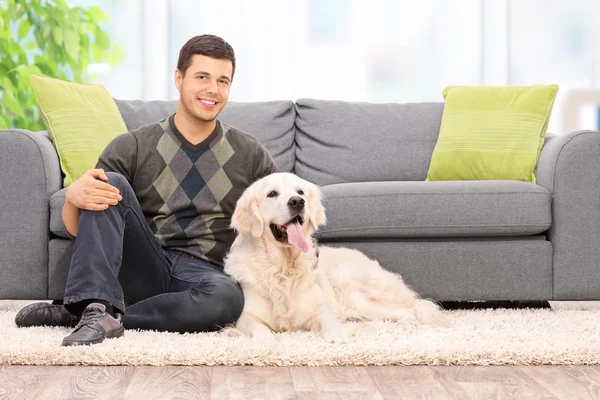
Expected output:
{"points": [[117, 258]]}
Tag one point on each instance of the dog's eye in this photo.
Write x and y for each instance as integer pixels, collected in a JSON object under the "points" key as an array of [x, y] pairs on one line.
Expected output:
{"points": [[301, 192], [272, 193]]}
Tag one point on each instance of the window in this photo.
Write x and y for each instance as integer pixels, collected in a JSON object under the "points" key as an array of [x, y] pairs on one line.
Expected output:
{"points": [[376, 50]]}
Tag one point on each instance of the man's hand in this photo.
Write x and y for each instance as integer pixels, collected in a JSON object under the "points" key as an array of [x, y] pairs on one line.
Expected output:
{"points": [[88, 193]]}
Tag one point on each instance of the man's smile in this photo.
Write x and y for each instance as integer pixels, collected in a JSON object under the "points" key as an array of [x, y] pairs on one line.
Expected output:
{"points": [[208, 103]]}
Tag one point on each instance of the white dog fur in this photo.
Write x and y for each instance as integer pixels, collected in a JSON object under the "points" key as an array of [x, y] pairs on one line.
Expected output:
{"points": [[284, 286]]}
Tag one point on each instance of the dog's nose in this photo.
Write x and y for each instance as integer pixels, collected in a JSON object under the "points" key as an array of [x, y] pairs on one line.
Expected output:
{"points": [[296, 203]]}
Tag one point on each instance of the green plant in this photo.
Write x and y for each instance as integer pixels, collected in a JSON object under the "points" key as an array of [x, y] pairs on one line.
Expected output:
{"points": [[51, 38]]}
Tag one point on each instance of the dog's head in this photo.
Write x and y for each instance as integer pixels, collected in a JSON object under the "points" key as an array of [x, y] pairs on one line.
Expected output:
{"points": [[281, 207]]}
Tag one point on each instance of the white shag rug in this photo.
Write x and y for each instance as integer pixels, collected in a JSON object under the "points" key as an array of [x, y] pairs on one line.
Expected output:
{"points": [[476, 337]]}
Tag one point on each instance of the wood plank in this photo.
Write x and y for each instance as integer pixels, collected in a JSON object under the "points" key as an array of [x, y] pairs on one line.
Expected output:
{"points": [[497, 382], [415, 382], [347, 383], [99, 382], [339, 396], [169, 382], [566, 382], [589, 377], [333, 379], [24, 382], [251, 383]]}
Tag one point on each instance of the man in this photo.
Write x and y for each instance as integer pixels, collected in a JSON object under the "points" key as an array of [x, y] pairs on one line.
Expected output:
{"points": [[151, 222]]}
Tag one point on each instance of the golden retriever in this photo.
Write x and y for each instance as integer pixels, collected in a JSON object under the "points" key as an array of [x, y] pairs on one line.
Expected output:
{"points": [[287, 287]]}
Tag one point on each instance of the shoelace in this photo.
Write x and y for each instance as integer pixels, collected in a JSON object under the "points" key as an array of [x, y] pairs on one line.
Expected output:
{"points": [[89, 316]]}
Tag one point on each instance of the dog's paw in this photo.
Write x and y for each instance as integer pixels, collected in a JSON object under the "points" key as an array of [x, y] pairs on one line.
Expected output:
{"points": [[231, 332], [338, 335], [333, 338], [264, 337], [406, 318]]}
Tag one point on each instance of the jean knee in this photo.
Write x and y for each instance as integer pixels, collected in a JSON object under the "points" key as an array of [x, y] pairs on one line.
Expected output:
{"points": [[119, 181], [230, 298], [226, 300]]}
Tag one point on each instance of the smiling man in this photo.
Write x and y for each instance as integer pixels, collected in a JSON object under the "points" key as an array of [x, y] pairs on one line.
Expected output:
{"points": [[151, 223]]}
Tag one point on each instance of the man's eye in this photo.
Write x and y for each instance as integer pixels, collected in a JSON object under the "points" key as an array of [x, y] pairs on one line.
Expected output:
{"points": [[272, 193], [224, 82]]}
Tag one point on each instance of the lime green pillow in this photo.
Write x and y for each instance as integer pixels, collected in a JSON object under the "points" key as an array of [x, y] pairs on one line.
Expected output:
{"points": [[491, 132], [81, 121]]}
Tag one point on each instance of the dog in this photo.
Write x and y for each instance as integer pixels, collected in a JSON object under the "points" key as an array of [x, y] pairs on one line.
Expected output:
{"points": [[287, 287]]}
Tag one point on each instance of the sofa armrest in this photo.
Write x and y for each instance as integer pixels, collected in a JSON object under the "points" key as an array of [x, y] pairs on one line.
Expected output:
{"points": [[569, 167], [29, 174]]}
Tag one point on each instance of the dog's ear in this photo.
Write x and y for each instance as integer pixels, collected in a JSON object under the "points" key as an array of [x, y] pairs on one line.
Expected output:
{"points": [[317, 211], [246, 216]]}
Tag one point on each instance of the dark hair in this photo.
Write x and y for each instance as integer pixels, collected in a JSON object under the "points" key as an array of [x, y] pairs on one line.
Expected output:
{"points": [[206, 45]]}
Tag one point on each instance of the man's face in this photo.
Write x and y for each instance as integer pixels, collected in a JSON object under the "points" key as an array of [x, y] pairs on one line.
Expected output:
{"points": [[204, 89]]}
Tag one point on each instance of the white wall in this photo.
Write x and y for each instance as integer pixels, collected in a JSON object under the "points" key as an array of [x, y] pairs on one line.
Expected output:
{"points": [[364, 50]]}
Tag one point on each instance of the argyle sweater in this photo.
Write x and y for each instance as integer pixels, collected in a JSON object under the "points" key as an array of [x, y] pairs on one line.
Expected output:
{"points": [[188, 192]]}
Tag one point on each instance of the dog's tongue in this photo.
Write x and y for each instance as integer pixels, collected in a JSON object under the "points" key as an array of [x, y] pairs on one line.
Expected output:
{"points": [[296, 236]]}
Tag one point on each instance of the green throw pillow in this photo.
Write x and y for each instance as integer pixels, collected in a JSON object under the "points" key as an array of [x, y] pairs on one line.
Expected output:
{"points": [[81, 121], [491, 132]]}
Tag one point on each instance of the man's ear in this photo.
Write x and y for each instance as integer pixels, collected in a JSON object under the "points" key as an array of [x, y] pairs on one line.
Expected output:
{"points": [[317, 211], [246, 216], [178, 78]]}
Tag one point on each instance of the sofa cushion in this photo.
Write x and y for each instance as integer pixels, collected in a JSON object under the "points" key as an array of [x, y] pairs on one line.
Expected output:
{"points": [[137, 113], [271, 122], [492, 132], [426, 209], [414, 209], [339, 141], [81, 121]]}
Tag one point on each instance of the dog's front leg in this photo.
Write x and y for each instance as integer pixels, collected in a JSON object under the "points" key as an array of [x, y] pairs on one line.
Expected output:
{"points": [[332, 329], [250, 326]]}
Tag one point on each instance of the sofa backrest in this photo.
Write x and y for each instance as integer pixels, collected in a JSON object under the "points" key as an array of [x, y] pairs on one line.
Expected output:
{"points": [[340, 141], [272, 122], [327, 141]]}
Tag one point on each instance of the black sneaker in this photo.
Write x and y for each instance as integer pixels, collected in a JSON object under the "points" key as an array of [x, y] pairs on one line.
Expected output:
{"points": [[95, 326], [45, 314]]}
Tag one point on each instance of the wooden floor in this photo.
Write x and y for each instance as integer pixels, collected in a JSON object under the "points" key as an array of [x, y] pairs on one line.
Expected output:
{"points": [[347, 383]]}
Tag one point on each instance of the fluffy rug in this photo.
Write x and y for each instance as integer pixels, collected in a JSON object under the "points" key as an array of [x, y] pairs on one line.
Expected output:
{"points": [[477, 337]]}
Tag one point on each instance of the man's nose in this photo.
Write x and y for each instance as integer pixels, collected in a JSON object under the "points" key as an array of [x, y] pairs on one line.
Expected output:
{"points": [[212, 88], [296, 203]]}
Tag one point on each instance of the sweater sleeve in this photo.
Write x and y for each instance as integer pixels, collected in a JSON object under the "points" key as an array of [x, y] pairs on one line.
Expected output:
{"points": [[263, 162], [120, 156]]}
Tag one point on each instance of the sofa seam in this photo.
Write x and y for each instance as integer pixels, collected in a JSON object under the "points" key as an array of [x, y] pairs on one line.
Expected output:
{"points": [[438, 227], [436, 194]]}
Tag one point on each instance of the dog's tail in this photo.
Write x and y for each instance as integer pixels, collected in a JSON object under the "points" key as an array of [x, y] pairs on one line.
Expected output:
{"points": [[430, 313]]}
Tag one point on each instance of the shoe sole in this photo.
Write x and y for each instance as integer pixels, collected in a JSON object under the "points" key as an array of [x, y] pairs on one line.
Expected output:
{"points": [[115, 334]]}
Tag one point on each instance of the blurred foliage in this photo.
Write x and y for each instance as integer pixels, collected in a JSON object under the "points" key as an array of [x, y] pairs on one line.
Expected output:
{"points": [[47, 37]]}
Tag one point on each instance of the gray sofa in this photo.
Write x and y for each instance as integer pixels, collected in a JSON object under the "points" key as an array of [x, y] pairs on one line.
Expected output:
{"points": [[451, 241]]}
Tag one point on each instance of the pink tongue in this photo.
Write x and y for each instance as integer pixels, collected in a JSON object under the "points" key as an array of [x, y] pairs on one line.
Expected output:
{"points": [[296, 237]]}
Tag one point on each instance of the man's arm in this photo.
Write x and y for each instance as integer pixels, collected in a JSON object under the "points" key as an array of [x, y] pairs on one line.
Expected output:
{"points": [[90, 191], [120, 156], [70, 216], [263, 162], [87, 193]]}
